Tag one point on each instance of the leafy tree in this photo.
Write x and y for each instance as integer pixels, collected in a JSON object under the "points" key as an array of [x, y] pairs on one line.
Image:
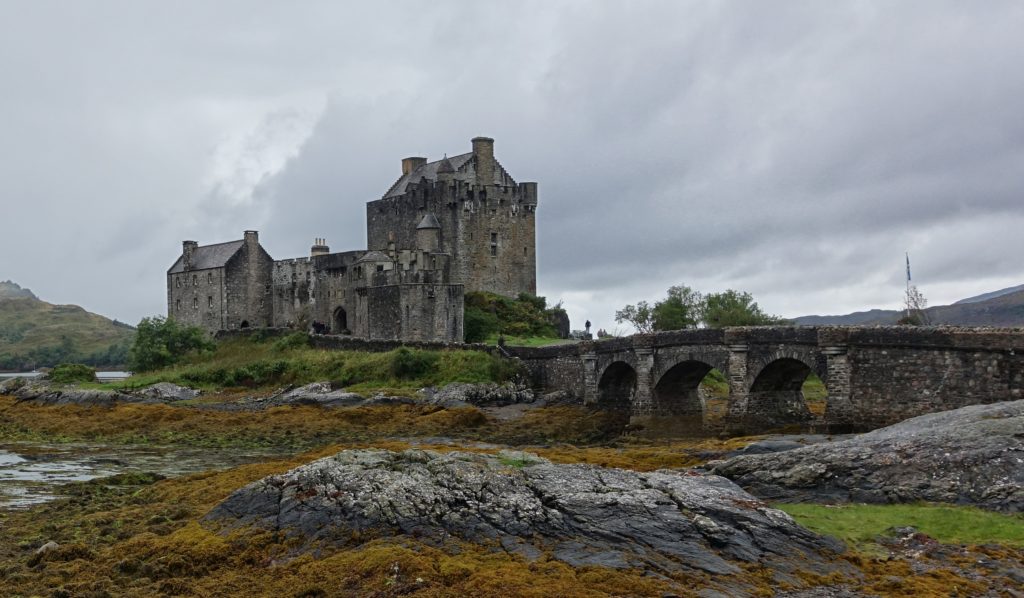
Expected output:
{"points": [[160, 342], [641, 316], [683, 308], [70, 373], [735, 308]]}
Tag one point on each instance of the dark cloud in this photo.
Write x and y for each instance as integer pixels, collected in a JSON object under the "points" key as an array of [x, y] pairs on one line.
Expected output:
{"points": [[794, 150]]}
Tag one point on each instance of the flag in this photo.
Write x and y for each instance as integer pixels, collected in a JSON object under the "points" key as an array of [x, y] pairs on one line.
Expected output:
{"points": [[908, 267]]}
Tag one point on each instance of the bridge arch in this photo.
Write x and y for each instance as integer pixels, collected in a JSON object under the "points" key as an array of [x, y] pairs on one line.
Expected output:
{"points": [[676, 399], [776, 395], [616, 389]]}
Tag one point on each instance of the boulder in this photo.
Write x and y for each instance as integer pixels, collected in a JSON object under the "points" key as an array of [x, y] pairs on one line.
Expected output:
{"points": [[581, 514], [167, 392], [969, 456], [316, 393], [460, 394], [43, 392]]}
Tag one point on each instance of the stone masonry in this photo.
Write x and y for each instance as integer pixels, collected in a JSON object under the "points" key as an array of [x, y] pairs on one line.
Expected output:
{"points": [[444, 227], [875, 376]]}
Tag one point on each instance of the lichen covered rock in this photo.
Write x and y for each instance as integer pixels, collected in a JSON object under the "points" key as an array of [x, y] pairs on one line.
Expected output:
{"points": [[973, 455], [518, 502]]}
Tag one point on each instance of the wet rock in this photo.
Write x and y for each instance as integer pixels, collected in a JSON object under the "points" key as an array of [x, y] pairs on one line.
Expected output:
{"points": [[167, 392], [973, 455], [581, 514], [316, 393], [44, 392], [459, 394]]}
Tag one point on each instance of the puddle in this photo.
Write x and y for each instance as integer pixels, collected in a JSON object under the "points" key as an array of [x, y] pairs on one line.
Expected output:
{"points": [[32, 473]]}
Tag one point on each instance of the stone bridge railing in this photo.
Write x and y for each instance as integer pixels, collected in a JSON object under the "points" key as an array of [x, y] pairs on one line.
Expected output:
{"points": [[874, 376]]}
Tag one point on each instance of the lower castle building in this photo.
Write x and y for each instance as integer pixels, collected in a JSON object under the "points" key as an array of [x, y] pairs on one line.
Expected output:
{"points": [[443, 228]]}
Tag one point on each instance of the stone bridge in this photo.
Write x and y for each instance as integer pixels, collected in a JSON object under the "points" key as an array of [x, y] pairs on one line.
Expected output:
{"points": [[874, 376]]}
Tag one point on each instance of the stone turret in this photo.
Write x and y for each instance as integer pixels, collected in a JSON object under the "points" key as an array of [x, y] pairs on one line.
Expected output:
{"points": [[428, 233]]}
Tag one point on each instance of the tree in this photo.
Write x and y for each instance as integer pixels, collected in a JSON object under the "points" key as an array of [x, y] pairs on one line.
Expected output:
{"points": [[160, 342], [916, 308], [735, 308], [641, 316], [683, 308]]}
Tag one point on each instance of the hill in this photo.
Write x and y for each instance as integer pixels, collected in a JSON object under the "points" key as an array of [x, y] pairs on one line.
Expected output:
{"points": [[34, 333], [999, 308]]}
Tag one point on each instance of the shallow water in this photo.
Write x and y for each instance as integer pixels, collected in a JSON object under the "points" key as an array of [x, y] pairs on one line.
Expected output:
{"points": [[32, 473]]}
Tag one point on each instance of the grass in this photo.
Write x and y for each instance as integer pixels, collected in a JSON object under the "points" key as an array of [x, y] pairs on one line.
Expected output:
{"points": [[256, 364], [529, 341], [861, 525]]}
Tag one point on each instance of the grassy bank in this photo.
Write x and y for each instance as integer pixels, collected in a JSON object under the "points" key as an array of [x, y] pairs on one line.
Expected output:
{"points": [[255, 363], [862, 525]]}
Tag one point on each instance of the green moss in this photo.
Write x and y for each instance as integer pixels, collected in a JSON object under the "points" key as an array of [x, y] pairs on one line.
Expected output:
{"points": [[861, 525]]}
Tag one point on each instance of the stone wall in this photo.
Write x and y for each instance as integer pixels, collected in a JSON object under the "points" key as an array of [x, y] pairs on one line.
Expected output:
{"points": [[247, 286], [197, 298]]}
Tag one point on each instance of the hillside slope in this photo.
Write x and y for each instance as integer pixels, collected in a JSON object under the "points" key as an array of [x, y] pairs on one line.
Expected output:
{"points": [[34, 333], [1000, 309]]}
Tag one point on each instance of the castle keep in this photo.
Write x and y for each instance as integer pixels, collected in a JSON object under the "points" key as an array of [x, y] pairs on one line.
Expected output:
{"points": [[458, 224]]}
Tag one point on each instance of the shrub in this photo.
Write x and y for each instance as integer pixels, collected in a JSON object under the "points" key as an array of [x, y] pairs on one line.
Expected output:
{"points": [[295, 340], [407, 364], [70, 373], [479, 324], [160, 342]]}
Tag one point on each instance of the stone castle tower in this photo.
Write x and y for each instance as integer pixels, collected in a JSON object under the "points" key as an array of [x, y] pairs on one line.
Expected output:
{"points": [[445, 227], [486, 220]]}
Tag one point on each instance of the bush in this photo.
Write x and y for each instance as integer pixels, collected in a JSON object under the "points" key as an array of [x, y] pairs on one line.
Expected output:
{"points": [[295, 340], [160, 342], [71, 373], [487, 314], [479, 324], [407, 364]]}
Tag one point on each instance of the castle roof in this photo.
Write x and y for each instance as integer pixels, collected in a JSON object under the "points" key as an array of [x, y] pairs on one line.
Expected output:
{"points": [[374, 256], [463, 169], [208, 256], [429, 221]]}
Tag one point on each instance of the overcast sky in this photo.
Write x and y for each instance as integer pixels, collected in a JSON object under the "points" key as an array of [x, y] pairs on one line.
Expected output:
{"points": [[791, 149]]}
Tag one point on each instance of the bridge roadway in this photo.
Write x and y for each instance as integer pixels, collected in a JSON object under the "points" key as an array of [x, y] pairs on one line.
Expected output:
{"points": [[875, 376]]}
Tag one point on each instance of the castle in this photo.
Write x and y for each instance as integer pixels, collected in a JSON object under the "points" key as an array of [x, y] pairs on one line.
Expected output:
{"points": [[443, 228]]}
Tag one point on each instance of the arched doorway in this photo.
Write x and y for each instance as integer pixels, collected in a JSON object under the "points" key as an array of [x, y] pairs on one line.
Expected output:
{"points": [[244, 324], [339, 321], [677, 404], [776, 397]]}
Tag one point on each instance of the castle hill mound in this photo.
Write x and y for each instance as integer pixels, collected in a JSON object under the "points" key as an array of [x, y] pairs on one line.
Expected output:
{"points": [[973, 455]]}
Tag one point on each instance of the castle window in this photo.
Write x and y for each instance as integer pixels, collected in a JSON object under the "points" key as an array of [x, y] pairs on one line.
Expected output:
{"points": [[177, 305], [525, 250], [209, 278], [209, 302], [494, 250], [195, 303], [177, 282], [494, 237], [380, 267], [195, 280]]}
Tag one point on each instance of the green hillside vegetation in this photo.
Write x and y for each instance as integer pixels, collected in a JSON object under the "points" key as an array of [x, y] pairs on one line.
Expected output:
{"points": [[34, 333], [258, 362], [528, 318]]}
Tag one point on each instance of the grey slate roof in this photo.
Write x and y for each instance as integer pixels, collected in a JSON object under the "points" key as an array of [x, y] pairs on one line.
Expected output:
{"points": [[208, 256], [429, 221], [374, 256], [461, 164]]}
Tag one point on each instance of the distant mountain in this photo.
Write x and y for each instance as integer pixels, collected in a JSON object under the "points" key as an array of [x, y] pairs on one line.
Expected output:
{"points": [[991, 295], [999, 308], [34, 333]]}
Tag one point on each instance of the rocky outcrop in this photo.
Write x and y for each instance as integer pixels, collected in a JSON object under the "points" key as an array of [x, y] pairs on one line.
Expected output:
{"points": [[45, 392], [582, 514], [459, 394], [973, 455]]}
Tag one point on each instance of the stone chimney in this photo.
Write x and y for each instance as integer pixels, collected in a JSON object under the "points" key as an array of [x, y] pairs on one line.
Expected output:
{"points": [[319, 247], [483, 154], [252, 238], [411, 164], [188, 250]]}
